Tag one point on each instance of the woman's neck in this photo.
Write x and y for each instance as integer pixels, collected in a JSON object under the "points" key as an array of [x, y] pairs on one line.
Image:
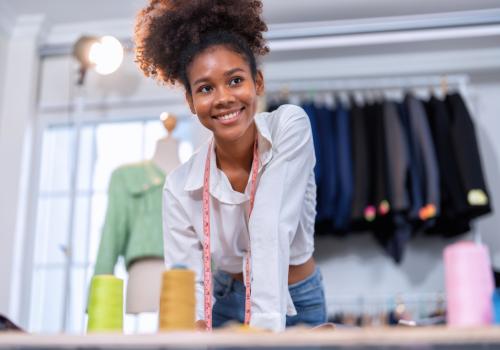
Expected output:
{"points": [[237, 154]]}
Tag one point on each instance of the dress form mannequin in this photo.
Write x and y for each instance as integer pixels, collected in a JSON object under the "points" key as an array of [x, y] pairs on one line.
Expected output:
{"points": [[144, 275], [166, 155], [144, 285]]}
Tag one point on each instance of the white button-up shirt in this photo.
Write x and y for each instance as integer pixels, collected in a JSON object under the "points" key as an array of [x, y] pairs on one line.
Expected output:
{"points": [[280, 230]]}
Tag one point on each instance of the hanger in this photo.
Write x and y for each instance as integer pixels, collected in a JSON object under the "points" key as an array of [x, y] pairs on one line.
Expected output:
{"points": [[343, 99], [432, 92], [369, 96], [444, 85], [295, 99], [284, 94], [329, 100]]}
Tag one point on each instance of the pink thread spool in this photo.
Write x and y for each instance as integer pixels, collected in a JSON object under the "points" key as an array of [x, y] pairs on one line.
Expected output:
{"points": [[469, 285]]}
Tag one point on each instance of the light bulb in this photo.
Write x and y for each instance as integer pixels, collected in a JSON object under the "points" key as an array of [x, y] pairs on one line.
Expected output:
{"points": [[106, 54]]}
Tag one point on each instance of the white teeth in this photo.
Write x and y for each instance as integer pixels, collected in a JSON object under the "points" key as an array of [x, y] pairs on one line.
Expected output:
{"points": [[228, 116]]}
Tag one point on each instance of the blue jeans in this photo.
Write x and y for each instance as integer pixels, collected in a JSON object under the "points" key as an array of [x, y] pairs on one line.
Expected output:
{"points": [[308, 297]]}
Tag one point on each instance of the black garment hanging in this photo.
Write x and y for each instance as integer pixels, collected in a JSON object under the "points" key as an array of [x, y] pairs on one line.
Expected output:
{"points": [[425, 158], [275, 103], [381, 195], [397, 158], [450, 222], [393, 230], [413, 181], [327, 190], [342, 137], [361, 168], [464, 141], [370, 111]]}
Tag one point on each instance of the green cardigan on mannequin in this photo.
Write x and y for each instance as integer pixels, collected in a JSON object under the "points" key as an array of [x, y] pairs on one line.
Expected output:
{"points": [[133, 224]]}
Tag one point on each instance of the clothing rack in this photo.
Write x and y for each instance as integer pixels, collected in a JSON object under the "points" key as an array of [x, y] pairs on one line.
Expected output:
{"points": [[357, 302], [374, 308], [458, 81]]}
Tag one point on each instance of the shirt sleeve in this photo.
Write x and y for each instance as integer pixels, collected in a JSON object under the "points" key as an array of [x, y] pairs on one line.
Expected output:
{"points": [[274, 221], [181, 244], [115, 231]]}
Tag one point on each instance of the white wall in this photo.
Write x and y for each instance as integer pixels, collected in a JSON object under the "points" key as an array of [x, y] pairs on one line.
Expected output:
{"points": [[17, 103], [486, 106], [3, 57], [4, 247], [123, 94], [4, 276]]}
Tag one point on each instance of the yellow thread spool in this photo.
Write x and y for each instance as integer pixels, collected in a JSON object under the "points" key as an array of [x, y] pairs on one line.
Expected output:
{"points": [[177, 300], [105, 304]]}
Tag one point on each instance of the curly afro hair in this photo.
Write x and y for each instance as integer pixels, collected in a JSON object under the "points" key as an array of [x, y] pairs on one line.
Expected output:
{"points": [[170, 33]]}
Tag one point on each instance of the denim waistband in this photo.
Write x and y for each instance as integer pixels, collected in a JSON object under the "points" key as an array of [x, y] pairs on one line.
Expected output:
{"points": [[225, 279]]}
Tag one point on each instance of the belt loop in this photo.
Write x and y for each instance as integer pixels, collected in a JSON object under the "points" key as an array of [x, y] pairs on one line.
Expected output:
{"points": [[230, 285]]}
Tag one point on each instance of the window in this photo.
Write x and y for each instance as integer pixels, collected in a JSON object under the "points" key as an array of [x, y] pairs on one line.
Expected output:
{"points": [[76, 164]]}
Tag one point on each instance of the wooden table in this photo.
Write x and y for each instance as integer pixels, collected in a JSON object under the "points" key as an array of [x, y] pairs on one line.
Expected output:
{"points": [[374, 338]]}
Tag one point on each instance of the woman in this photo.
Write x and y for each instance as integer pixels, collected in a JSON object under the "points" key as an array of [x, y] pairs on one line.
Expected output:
{"points": [[243, 206]]}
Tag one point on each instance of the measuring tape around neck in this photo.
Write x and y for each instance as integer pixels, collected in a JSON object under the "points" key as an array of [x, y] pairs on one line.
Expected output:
{"points": [[207, 266]]}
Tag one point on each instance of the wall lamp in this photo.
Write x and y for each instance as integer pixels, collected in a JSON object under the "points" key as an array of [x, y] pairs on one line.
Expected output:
{"points": [[103, 54]]}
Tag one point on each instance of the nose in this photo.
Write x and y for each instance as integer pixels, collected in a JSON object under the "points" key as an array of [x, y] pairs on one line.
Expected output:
{"points": [[224, 97]]}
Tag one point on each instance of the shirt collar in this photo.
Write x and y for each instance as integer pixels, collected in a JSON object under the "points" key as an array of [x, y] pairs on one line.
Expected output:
{"points": [[195, 178]]}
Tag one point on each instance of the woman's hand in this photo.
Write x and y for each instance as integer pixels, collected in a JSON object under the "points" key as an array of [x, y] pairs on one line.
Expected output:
{"points": [[201, 325]]}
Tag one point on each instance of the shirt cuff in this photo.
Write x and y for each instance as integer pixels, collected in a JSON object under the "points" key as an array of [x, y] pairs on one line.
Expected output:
{"points": [[273, 321], [200, 310], [200, 315], [290, 307]]}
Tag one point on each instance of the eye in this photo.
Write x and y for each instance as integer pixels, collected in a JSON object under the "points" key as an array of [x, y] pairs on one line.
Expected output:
{"points": [[205, 89], [235, 81]]}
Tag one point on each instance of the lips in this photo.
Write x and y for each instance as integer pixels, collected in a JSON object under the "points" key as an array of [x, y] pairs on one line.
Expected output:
{"points": [[229, 117]]}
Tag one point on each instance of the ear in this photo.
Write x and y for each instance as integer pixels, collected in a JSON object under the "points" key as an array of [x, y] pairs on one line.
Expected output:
{"points": [[189, 100], [259, 83]]}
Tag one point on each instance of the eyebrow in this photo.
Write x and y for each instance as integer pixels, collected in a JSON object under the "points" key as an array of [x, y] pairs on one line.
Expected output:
{"points": [[228, 73]]}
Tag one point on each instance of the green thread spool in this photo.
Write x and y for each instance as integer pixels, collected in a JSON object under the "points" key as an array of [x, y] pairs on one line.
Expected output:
{"points": [[105, 308]]}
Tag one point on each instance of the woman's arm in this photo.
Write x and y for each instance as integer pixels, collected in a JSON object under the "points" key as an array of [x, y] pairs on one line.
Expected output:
{"points": [[181, 244], [278, 206]]}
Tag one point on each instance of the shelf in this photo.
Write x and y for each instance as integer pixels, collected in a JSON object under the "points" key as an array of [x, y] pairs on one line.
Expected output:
{"points": [[386, 338]]}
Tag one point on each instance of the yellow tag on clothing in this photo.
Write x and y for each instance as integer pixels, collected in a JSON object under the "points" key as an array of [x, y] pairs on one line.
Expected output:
{"points": [[477, 197]]}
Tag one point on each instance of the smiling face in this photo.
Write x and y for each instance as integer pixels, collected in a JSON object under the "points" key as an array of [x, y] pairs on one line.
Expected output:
{"points": [[223, 92]]}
